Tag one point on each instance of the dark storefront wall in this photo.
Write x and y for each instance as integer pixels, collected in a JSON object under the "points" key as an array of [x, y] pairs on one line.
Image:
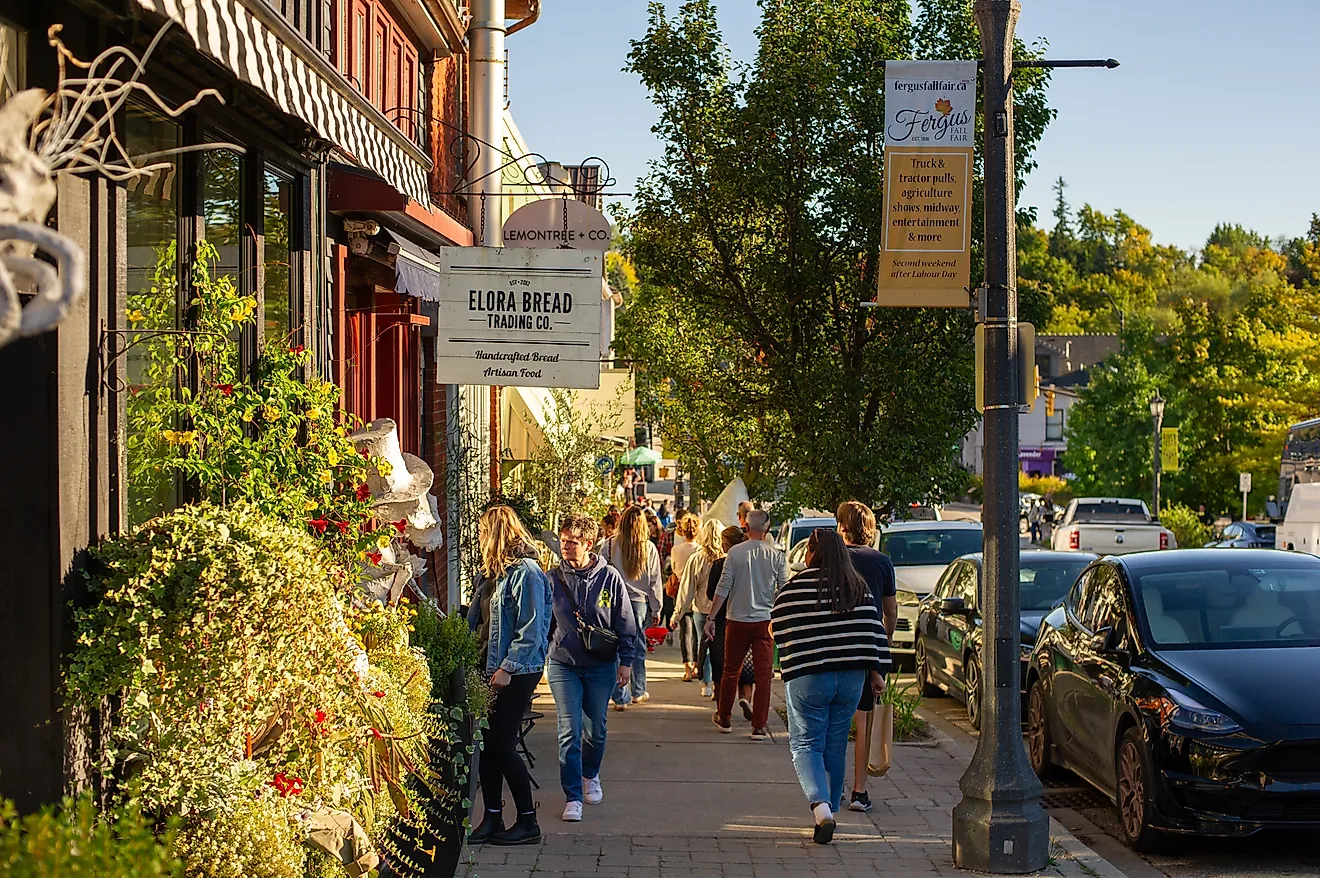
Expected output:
{"points": [[71, 445]]}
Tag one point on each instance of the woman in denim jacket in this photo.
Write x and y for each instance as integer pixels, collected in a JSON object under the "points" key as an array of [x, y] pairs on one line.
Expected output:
{"points": [[519, 630]]}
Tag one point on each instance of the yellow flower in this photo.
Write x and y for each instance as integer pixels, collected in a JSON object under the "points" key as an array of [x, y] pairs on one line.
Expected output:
{"points": [[309, 505], [247, 415], [270, 413], [384, 467], [332, 457], [327, 476], [136, 316], [313, 414], [237, 314], [383, 541]]}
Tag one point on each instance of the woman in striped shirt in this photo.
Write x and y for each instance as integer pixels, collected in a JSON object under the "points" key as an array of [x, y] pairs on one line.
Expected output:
{"points": [[831, 643]]}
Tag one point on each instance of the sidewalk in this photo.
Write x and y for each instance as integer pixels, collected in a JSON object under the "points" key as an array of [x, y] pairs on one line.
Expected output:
{"points": [[683, 801]]}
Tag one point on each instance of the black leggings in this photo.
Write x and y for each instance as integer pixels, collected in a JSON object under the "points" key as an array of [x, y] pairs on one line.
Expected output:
{"points": [[500, 761]]}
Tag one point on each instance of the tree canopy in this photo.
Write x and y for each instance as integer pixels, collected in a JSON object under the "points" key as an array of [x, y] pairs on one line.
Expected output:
{"points": [[756, 237]]}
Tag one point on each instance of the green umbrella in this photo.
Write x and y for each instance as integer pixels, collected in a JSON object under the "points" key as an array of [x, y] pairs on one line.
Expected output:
{"points": [[640, 456]]}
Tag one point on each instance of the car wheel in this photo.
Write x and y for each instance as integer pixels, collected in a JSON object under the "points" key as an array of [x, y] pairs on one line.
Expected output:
{"points": [[924, 684], [972, 689], [1040, 745], [1135, 793]]}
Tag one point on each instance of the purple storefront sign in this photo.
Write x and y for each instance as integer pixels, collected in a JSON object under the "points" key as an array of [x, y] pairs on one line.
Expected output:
{"points": [[1037, 461]]}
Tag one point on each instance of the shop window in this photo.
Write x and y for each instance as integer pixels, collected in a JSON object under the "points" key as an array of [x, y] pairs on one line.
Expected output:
{"points": [[278, 199], [152, 227], [1054, 426]]}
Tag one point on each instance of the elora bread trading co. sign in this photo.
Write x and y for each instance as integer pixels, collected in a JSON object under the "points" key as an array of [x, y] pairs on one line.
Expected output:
{"points": [[519, 316]]}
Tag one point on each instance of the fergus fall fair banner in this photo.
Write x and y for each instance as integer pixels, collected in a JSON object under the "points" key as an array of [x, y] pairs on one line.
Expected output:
{"points": [[930, 129]]}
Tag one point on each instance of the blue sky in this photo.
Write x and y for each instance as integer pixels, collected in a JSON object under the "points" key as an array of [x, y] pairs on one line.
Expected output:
{"points": [[1212, 117]]}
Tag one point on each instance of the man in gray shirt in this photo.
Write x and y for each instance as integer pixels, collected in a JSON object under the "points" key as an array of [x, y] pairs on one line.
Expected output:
{"points": [[754, 571]]}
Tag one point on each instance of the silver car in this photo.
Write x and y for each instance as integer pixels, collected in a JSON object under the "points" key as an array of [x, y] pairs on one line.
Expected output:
{"points": [[921, 550]]}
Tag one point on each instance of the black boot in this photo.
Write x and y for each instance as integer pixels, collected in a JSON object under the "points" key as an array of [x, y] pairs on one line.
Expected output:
{"points": [[525, 831], [491, 823]]}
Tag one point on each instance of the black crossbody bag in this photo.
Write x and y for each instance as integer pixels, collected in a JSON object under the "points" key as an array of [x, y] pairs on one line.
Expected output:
{"points": [[601, 644]]}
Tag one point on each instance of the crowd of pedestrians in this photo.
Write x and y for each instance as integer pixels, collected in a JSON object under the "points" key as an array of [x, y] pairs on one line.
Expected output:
{"points": [[630, 581]]}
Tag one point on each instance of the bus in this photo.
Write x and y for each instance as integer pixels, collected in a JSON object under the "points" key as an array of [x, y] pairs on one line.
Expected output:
{"points": [[1301, 460]]}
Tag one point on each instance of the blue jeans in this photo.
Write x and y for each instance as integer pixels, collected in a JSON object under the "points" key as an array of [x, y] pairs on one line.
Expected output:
{"points": [[703, 647], [820, 711], [624, 695], [582, 700]]}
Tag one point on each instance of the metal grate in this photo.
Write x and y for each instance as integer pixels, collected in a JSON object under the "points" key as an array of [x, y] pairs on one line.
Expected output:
{"points": [[1076, 798]]}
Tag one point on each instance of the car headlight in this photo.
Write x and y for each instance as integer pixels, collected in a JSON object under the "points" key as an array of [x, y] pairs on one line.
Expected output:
{"points": [[907, 598], [1185, 712]]}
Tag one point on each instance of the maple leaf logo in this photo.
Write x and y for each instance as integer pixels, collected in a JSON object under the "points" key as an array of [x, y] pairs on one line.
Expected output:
{"points": [[943, 107]]}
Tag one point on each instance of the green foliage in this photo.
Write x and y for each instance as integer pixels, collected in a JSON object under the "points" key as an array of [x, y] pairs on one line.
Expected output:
{"points": [[561, 477], [1045, 486], [448, 644], [255, 838], [756, 237], [76, 840], [1187, 527], [905, 700], [241, 670], [271, 441]]}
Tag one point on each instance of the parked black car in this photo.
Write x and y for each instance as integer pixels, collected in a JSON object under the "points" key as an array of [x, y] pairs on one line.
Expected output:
{"points": [[1245, 535], [1186, 686], [948, 640]]}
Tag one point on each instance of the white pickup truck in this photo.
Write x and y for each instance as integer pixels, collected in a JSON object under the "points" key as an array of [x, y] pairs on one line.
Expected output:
{"points": [[1110, 526]]}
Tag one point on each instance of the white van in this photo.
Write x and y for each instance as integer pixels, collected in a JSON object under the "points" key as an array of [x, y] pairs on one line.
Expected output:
{"points": [[1300, 531]]}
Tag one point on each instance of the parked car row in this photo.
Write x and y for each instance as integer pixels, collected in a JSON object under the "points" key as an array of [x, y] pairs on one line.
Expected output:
{"points": [[1183, 685]]}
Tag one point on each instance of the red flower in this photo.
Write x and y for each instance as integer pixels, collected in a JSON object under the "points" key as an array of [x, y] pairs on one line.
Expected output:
{"points": [[320, 716], [297, 350], [318, 524], [376, 734], [342, 525], [401, 525], [363, 492], [377, 694], [286, 785], [226, 389], [374, 557], [366, 455]]}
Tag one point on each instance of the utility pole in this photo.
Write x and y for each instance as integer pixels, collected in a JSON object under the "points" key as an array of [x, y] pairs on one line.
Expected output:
{"points": [[999, 826]]}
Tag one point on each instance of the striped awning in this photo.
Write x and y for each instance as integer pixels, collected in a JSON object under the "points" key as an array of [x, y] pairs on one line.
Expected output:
{"points": [[232, 35]]}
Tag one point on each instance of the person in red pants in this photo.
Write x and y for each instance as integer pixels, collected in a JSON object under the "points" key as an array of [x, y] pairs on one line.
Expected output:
{"points": [[754, 571]]}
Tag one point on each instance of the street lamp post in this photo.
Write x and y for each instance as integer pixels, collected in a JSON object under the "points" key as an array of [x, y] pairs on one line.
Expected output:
{"points": [[999, 826], [1157, 419]]}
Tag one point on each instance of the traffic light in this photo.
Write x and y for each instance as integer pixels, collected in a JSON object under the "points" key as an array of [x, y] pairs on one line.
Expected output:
{"points": [[1049, 403]]}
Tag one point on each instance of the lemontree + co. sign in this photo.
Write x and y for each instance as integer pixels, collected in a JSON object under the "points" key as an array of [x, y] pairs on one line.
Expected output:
{"points": [[519, 316], [558, 222]]}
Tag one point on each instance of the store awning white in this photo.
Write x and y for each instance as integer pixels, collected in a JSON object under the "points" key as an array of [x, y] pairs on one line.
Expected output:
{"points": [[236, 37], [525, 413]]}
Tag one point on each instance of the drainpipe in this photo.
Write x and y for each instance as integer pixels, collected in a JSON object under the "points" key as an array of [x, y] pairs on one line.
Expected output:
{"points": [[486, 66]]}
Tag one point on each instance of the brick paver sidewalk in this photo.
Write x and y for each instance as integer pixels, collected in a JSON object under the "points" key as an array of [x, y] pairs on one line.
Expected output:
{"points": [[683, 801]]}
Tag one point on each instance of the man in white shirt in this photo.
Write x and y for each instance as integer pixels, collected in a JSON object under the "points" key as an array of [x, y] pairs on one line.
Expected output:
{"points": [[754, 571]]}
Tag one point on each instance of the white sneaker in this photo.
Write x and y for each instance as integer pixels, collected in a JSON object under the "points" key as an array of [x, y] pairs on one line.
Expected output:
{"points": [[594, 794], [643, 698], [707, 691], [573, 812]]}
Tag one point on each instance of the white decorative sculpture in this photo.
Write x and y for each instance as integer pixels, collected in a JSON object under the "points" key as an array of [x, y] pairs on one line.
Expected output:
{"points": [[400, 487], [70, 130]]}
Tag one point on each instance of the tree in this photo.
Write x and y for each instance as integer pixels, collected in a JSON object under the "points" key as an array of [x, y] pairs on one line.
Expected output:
{"points": [[757, 236]]}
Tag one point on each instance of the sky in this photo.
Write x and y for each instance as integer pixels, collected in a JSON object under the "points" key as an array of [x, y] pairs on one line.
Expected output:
{"points": [[1212, 117]]}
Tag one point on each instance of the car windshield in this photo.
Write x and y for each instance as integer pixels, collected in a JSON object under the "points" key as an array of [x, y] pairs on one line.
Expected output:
{"points": [[803, 530], [934, 546], [1041, 584], [1100, 511], [1233, 604], [1265, 532]]}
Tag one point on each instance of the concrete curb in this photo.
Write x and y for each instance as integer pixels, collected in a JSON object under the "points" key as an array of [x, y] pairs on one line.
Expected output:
{"points": [[1072, 858]]}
